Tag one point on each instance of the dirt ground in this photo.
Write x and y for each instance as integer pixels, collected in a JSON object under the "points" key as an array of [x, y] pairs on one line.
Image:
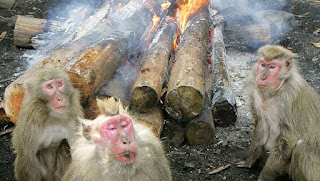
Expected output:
{"points": [[231, 143]]}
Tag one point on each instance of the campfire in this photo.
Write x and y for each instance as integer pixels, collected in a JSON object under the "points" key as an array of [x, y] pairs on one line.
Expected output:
{"points": [[157, 57]]}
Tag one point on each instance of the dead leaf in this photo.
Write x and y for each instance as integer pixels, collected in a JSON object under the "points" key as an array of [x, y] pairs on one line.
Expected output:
{"points": [[2, 35], [316, 44]]}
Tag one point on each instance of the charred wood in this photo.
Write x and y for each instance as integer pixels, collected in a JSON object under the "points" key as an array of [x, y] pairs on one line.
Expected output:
{"points": [[224, 106]]}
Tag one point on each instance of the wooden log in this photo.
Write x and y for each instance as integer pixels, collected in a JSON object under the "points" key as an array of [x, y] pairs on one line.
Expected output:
{"points": [[6, 4], [224, 106], [146, 91], [200, 130], [26, 28], [186, 87], [90, 68]]}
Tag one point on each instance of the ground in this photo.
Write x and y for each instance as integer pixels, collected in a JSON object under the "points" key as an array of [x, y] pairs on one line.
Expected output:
{"points": [[231, 143]]}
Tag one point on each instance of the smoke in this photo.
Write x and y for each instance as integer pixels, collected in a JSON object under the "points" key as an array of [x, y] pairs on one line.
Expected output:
{"points": [[239, 13]]}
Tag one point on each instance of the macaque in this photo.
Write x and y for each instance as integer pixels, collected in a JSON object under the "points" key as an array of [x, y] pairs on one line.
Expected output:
{"points": [[286, 113], [46, 126], [116, 148]]}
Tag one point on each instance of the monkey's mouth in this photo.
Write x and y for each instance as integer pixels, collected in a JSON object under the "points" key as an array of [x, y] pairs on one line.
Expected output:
{"points": [[262, 86], [60, 109], [126, 157]]}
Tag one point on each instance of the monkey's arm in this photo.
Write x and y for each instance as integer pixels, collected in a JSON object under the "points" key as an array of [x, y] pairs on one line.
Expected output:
{"points": [[278, 161]]}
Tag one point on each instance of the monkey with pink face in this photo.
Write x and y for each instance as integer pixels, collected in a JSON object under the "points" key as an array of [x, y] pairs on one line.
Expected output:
{"points": [[286, 113], [46, 126], [116, 148]]}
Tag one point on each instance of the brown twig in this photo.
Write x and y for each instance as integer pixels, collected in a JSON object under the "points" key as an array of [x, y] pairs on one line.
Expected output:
{"points": [[219, 169]]}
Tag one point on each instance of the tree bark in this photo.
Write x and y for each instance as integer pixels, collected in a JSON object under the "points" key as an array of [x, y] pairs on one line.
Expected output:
{"points": [[186, 87]]}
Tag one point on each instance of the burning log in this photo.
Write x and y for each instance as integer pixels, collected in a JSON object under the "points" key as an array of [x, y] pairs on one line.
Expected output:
{"points": [[223, 103], [26, 28], [146, 91], [90, 68], [6, 4], [186, 86]]}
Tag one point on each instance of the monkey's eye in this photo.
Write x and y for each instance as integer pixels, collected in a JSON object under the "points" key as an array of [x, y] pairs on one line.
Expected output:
{"points": [[123, 124], [112, 127], [272, 66], [59, 84], [263, 64], [49, 86]]}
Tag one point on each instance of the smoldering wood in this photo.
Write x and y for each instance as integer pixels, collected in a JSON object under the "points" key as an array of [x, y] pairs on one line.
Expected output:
{"points": [[186, 87], [224, 106], [6, 4], [85, 59], [146, 91], [26, 28]]}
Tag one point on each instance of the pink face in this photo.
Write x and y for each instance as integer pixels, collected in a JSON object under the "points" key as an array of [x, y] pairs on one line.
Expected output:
{"points": [[54, 89], [119, 130], [267, 74]]}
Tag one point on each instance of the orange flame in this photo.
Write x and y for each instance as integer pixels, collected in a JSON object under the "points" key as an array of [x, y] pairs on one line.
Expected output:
{"points": [[187, 8], [165, 5], [121, 5], [155, 20]]}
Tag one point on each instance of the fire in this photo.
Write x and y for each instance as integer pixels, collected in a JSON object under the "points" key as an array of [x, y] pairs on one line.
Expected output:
{"points": [[155, 20], [187, 8], [165, 5], [121, 5]]}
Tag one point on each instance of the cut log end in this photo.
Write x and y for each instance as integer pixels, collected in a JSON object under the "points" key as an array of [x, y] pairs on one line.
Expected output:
{"points": [[143, 98], [13, 102], [184, 101], [224, 114], [200, 133]]}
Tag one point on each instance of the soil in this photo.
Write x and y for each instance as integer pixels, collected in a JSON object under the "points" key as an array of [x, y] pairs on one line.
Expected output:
{"points": [[231, 143]]}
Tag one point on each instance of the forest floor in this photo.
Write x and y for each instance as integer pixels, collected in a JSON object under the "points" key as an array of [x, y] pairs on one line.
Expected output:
{"points": [[231, 143]]}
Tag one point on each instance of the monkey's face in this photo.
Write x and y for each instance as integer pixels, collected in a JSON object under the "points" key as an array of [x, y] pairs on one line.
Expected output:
{"points": [[55, 90], [118, 134], [268, 73]]}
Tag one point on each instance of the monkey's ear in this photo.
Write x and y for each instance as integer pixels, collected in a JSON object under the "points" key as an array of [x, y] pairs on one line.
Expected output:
{"points": [[86, 128], [86, 131], [288, 63]]}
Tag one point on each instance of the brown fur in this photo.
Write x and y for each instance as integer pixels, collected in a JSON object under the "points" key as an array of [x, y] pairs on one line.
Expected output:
{"points": [[282, 118], [91, 163], [37, 156]]}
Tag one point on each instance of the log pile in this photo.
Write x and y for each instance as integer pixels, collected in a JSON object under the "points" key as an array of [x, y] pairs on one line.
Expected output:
{"points": [[198, 94]]}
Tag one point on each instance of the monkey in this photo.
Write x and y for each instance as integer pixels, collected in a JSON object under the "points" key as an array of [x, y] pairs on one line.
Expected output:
{"points": [[117, 148], [46, 127], [286, 114]]}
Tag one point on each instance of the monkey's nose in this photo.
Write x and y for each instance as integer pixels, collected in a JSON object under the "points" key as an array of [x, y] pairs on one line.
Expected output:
{"points": [[60, 99], [126, 142]]}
